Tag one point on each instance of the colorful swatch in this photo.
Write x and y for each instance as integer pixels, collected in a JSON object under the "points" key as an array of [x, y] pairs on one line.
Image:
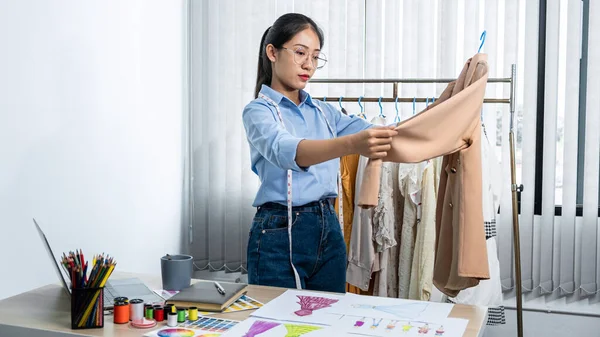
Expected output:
{"points": [[210, 324], [243, 303], [176, 332]]}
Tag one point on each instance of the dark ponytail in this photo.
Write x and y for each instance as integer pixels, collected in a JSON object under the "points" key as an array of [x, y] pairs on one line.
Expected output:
{"points": [[283, 30], [264, 74]]}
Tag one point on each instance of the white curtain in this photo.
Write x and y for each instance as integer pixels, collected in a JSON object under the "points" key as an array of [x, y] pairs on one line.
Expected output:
{"points": [[405, 39]]}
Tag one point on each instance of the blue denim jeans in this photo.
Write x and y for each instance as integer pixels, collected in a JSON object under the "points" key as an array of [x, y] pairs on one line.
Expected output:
{"points": [[318, 248]]}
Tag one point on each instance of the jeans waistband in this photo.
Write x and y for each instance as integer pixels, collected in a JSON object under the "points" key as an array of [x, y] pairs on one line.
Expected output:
{"points": [[311, 206]]}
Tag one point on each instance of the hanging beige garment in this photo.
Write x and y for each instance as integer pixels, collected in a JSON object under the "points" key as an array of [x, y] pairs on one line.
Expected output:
{"points": [[421, 276], [450, 127]]}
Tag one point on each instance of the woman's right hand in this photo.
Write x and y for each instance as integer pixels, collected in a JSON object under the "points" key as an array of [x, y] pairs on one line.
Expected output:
{"points": [[374, 142]]}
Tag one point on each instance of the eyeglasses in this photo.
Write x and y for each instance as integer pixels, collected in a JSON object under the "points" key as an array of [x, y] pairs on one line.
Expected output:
{"points": [[301, 55]]}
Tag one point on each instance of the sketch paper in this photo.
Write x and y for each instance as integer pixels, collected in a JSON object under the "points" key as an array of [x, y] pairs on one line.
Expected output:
{"points": [[390, 308], [261, 327], [301, 306], [383, 327]]}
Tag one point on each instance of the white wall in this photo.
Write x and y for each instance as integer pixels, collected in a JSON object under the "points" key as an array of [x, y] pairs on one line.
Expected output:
{"points": [[90, 133]]}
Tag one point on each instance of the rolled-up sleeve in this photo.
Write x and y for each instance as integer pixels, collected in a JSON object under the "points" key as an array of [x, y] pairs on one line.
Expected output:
{"points": [[270, 139]]}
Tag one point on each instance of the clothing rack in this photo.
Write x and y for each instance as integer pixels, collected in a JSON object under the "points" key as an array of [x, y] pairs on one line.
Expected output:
{"points": [[514, 188]]}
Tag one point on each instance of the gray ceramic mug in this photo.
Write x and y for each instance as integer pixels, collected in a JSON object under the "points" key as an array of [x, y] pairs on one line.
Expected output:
{"points": [[176, 271]]}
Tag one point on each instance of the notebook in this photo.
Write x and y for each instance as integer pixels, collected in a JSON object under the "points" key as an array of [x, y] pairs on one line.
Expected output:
{"points": [[205, 297]]}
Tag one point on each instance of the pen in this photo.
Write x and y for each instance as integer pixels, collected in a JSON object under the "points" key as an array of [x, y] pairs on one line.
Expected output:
{"points": [[219, 288]]}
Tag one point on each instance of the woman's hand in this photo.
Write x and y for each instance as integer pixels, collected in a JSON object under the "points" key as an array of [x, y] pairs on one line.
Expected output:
{"points": [[374, 142]]}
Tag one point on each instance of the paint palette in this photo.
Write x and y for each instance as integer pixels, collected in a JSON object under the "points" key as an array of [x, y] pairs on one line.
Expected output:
{"points": [[210, 324]]}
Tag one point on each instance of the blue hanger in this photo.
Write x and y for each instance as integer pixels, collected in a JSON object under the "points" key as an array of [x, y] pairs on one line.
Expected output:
{"points": [[482, 39], [380, 108], [362, 110], [324, 99], [432, 100], [340, 102], [414, 105], [427, 103], [397, 119]]}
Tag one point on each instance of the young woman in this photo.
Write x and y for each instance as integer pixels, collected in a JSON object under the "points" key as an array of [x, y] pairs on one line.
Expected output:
{"points": [[295, 144]]}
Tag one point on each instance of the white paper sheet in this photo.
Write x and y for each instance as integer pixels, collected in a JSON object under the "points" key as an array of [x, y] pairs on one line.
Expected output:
{"points": [[261, 327], [301, 306], [390, 308], [383, 327]]}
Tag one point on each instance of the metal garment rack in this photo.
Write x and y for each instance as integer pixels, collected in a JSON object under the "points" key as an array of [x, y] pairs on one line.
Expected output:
{"points": [[511, 138]]}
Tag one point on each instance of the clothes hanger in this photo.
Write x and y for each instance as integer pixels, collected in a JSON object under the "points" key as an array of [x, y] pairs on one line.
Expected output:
{"points": [[380, 108], [397, 119], [362, 109], [482, 39], [341, 107], [414, 105]]}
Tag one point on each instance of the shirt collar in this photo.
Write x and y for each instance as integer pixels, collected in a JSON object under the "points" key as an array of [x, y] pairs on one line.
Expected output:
{"points": [[277, 97]]}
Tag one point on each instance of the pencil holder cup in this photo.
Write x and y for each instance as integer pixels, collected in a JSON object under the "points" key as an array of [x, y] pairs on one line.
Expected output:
{"points": [[176, 271], [87, 308]]}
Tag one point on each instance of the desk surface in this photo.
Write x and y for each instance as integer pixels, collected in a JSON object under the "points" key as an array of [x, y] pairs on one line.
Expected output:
{"points": [[48, 309]]}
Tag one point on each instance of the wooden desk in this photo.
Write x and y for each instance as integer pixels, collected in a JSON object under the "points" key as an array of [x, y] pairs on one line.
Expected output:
{"points": [[46, 312]]}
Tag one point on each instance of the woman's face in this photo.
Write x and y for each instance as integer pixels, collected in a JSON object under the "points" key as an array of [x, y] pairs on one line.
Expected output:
{"points": [[295, 63]]}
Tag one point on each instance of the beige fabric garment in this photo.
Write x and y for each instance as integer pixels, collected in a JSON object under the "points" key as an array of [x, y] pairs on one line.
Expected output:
{"points": [[421, 275], [450, 127]]}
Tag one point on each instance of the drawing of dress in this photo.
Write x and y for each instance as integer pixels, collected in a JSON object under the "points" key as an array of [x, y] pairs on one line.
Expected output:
{"points": [[310, 303], [391, 326], [359, 323], [259, 327], [376, 325], [424, 329], [295, 330], [407, 311], [440, 331], [406, 327]]}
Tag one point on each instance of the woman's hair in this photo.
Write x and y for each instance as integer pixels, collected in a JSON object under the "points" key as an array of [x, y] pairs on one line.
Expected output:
{"points": [[283, 30]]}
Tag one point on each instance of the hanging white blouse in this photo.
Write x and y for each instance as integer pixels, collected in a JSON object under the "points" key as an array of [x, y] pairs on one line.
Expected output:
{"points": [[387, 220]]}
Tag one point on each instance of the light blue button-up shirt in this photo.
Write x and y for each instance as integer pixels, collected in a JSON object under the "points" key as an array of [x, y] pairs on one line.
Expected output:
{"points": [[273, 148]]}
